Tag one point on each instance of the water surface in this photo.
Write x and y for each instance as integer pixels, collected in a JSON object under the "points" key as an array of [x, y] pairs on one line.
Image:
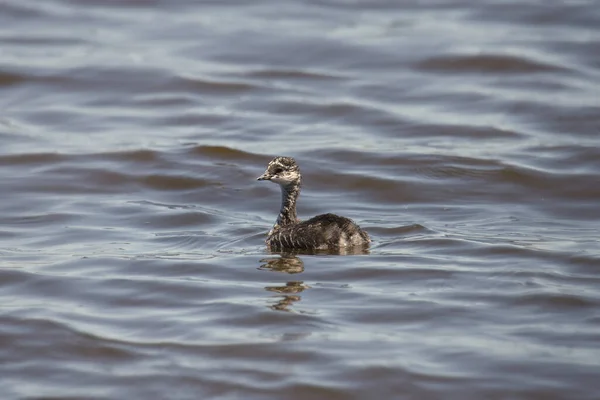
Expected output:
{"points": [[463, 136]]}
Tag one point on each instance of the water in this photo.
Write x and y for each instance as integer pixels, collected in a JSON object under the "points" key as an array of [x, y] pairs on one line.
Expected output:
{"points": [[463, 136]]}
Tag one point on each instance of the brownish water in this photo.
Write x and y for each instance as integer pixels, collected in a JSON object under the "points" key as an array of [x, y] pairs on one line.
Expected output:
{"points": [[463, 136]]}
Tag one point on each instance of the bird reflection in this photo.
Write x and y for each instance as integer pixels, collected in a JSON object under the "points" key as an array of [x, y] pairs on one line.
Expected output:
{"points": [[286, 263], [289, 292], [290, 264]]}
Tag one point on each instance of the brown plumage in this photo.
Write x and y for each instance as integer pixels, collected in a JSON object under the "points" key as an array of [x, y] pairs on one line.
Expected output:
{"points": [[325, 231]]}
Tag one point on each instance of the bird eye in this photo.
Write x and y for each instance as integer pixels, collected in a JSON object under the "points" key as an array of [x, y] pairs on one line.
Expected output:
{"points": [[278, 170]]}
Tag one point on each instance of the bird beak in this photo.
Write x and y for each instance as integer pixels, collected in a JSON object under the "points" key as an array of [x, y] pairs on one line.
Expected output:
{"points": [[264, 177]]}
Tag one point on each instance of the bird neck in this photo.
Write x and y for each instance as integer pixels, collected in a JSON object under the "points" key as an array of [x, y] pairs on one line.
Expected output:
{"points": [[289, 195]]}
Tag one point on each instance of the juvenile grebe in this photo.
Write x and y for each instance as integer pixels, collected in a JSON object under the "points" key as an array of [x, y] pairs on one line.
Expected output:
{"points": [[326, 231]]}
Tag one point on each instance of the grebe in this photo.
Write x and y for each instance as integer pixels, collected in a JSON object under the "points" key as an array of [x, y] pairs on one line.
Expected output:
{"points": [[326, 231]]}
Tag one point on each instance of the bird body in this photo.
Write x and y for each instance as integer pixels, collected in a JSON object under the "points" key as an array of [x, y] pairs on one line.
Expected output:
{"points": [[325, 231]]}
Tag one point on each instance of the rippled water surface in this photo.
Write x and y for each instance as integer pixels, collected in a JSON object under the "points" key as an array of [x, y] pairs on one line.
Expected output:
{"points": [[463, 136]]}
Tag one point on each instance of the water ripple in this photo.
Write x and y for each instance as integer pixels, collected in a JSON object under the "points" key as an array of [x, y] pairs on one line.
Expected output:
{"points": [[462, 137]]}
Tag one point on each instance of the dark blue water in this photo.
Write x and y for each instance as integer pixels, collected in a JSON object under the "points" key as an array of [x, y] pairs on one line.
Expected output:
{"points": [[463, 136]]}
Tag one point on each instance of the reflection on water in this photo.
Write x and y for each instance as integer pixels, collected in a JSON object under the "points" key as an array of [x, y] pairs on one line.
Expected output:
{"points": [[289, 295], [290, 264], [286, 263]]}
